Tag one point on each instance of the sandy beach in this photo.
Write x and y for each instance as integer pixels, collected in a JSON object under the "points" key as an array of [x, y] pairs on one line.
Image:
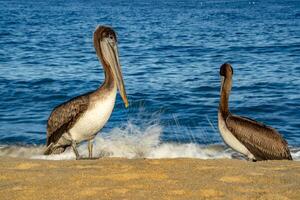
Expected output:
{"points": [[116, 178]]}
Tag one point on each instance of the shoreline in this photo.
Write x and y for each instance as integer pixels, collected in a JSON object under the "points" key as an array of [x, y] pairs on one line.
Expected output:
{"points": [[120, 178]]}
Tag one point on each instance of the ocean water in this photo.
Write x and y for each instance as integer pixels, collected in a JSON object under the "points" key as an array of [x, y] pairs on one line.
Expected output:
{"points": [[170, 52]]}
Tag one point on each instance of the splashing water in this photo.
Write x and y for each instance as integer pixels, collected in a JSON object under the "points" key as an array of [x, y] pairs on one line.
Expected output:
{"points": [[131, 142]]}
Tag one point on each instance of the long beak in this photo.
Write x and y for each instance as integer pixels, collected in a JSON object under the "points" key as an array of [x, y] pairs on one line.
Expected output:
{"points": [[112, 55], [119, 77]]}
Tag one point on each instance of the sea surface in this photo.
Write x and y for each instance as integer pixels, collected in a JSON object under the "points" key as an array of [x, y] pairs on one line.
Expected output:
{"points": [[170, 52]]}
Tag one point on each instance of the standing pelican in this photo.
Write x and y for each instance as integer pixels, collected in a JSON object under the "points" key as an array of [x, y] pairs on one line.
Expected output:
{"points": [[80, 118], [251, 138]]}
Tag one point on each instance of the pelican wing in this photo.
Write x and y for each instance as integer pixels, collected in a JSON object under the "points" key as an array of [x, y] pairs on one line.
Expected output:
{"points": [[264, 142], [64, 116]]}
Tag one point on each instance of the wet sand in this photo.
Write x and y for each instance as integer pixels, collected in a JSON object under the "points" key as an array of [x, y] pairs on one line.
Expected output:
{"points": [[115, 178]]}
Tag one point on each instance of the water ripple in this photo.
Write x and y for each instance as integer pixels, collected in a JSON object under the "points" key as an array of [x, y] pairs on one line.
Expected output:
{"points": [[170, 53]]}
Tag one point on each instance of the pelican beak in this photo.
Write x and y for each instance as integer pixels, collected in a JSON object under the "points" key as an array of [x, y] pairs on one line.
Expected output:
{"points": [[111, 55]]}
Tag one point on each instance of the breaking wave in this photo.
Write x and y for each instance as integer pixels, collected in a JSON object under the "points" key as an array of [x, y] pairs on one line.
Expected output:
{"points": [[132, 142]]}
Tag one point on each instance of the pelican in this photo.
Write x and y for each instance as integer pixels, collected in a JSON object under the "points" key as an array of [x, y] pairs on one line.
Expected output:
{"points": [[81, 118], [251, 138]]}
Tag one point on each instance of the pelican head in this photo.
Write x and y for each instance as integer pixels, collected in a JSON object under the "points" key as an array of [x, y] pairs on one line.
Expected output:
{"points": [[105, 42], [226, 70]]}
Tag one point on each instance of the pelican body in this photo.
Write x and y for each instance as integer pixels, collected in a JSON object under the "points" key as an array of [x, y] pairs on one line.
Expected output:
{"points": [[251, 138], [81, 118]]}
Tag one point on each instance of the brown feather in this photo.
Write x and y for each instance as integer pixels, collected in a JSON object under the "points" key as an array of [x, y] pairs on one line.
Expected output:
{"points": [[264, 142], [64, 116]]}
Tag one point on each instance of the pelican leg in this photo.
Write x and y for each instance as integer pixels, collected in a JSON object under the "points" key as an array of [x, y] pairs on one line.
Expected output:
{"points": [[75, 150], [90, 146]]}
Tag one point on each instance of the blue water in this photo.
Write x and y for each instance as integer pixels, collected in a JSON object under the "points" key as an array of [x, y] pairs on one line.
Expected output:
{"points": [[170, 54]]}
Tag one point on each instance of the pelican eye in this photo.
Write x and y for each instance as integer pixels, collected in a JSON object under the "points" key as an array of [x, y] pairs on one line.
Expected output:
{"points": [[111, 36]]}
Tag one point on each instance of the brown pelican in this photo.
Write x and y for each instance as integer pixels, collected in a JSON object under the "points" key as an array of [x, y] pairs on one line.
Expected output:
{"points": [[80, 118], [251, 138]]}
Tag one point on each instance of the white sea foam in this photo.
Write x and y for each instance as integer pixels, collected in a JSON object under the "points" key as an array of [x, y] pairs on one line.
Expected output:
{"points": [[295, 152], [132, 141]]}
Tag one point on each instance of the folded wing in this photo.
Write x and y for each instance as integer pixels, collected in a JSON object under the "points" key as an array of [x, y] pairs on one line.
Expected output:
{"points": [[264, 142], [64, 116]]}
